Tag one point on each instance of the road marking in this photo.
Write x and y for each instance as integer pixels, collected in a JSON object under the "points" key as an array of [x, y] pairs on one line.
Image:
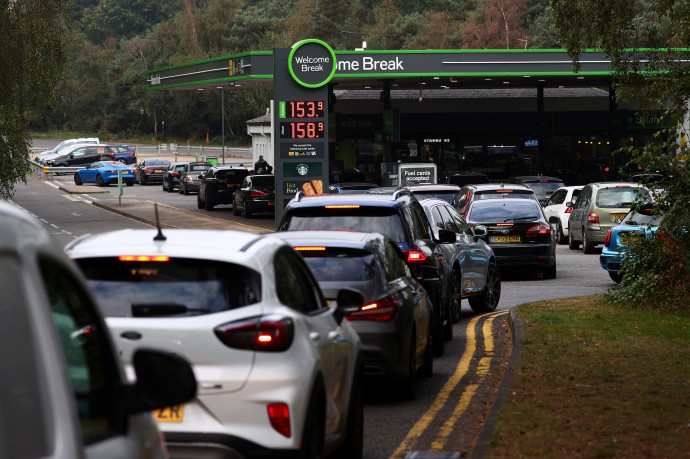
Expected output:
{"points": [[212, 218], [444, 394]]}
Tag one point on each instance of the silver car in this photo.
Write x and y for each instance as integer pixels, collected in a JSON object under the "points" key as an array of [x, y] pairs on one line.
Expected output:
{"points": [[278, 370]]}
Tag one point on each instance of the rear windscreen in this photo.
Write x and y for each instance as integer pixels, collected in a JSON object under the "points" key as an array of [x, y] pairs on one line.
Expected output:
{"points": [[176, 287], [619, 196], [365, 219], [544, 187], [264, 182], [336, 265], [516, 211], [507, 193], [232, 176], [200, 167], [447, 196]]}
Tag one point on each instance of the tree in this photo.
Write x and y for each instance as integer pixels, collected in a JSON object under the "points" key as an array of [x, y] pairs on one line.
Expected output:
{"points": [[647, 42], [496, 25], [33, 52]]}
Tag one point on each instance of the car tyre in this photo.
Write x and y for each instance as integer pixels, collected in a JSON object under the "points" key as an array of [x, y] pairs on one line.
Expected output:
{"points": [[208, 205], [587, 246], [99, 180], [313, 433], [353, 443], [560, 237], [408, 386], [488, 300], [235, 210], [142, 180], [246, 213], [616, 276], [437, 340], [77, 179], [130, 182], [572, 243], [185, 191], [456, 296], [550, 272], [199, 202]]}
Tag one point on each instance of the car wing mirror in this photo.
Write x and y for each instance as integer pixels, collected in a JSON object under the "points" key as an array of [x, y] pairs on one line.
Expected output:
{"points": [[446, 236], [349, 300], [479, 231], [570, 204], [163, 379]]}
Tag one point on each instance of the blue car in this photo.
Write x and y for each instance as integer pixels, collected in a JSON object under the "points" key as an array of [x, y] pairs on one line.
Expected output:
{"points": [[103, 173], [122, 153], [635, 224]]}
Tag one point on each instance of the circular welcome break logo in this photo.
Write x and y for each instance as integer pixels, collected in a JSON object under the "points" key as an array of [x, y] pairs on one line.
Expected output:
{"points": [[312, 63]]}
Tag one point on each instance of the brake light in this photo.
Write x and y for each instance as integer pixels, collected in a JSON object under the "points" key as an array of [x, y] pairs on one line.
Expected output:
{"points": [[569, 209], [543, 181], [256, 194], [607, 239], [504, 224], [309, 249], [269, 333], [131, 153], [504, 191], [415, 256], [174, 173], [112, 155], [148, 170], [381, 310], [593, 218], [159, 258], [343, 206], [541, 228], [279, 415]]}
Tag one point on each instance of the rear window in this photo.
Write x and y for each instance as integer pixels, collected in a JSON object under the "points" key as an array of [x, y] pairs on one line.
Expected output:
{"points": [[618, 196], [232, 176], [502, 213], [507, 193], [200, 167], [178, 287], [340, 264], [157, 162], [368, 219], [263, 181], [545, 187], [448, 196]]}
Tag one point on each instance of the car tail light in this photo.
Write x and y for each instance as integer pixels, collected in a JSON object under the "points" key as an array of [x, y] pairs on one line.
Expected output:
{"points": [[607, 239], [174, 173], [131, 153], [569, 209], [504, 191], [256, 194], [593, 218], [159, 258], [541, 228], [261, 333], [112, 155], [415, 256], [309, 249], [381, 310], [148, 170], [342, 206], [279, 415]]}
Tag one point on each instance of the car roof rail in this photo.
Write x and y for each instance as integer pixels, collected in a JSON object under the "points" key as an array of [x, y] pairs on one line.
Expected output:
{"points": [[300, 194], [400, 192]]}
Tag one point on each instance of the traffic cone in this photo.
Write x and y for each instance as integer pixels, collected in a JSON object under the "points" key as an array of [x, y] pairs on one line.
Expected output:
{"points": [[206, 137]]}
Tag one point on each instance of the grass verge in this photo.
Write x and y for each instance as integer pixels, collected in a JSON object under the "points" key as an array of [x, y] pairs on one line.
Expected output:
{"points": [[595, 380]]}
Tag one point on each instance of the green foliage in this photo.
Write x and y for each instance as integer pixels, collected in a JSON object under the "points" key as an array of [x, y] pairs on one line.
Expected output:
{"points": [[123, 18], [33, 37]]}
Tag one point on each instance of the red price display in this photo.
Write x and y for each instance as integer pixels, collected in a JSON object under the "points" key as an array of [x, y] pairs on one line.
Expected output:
{"points": [[305, 109], [301, 130]]}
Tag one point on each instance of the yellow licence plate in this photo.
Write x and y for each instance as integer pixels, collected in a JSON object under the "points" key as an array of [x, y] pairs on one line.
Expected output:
{"points": [[618, 216], [271, 203], [158, 171], [173, 413], [627, 239], [515, 238]]}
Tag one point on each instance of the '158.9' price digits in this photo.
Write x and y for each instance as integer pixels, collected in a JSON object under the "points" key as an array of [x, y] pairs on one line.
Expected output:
{"points": [[301, 130]]}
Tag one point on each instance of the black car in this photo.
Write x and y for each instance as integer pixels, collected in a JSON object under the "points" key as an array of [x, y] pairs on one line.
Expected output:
{"points": [[434, 190], [398, 215], [190, 177], [81, 156], [542, 186], [394, 323], [218, 186], [256, 194], [474, 274], [517, 231], [171, 176], [467, 178], [471, 193], [151, 170]]}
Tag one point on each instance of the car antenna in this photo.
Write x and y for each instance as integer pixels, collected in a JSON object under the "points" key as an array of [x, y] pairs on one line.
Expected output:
{"points": [[159, 236]]}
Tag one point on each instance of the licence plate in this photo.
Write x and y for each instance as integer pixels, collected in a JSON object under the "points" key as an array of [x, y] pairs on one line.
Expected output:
{"points": [[271, 203], [618, 217], [627, 239], [158, 171], [173, 413], [515, 238]]}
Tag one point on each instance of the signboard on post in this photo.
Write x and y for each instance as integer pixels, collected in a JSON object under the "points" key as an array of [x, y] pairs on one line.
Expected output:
{"points": [[300, 120], [416, 173]]}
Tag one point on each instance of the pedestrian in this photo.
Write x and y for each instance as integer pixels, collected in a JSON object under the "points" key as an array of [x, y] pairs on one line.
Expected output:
{"points": [[261, 166]]}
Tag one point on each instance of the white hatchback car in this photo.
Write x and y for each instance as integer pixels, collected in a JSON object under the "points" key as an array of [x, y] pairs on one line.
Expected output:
{"points": [[557, 212], [278, 370]]}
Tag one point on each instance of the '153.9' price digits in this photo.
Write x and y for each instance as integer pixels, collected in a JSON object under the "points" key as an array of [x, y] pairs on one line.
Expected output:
{"points": [[301, 130]]}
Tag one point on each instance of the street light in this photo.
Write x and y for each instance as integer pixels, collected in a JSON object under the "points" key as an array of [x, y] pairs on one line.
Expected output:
{"points": [[163, 54]]}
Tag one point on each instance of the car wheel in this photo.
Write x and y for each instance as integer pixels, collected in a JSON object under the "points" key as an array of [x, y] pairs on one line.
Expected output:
{"points": [[130, 182], [246, 213], [77, 179], [185, 191], [408, 386], [207, 202], [313, 433], [428, 366], [199, 202], [560, 237], [488, 300], [437, 340], [572, 243], [550, 273], [235, 209], [353, 443], [99, 180], [180, 188], [456, 296], [587, 246], [122, 161], [165, 186], [616, 276], [142, 180]]}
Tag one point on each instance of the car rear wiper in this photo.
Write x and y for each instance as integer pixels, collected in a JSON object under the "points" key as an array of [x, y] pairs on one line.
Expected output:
{"points": [[162, 309], [531, 217]]}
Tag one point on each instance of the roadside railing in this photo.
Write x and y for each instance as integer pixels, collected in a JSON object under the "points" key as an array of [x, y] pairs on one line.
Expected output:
{"points": [[192, 150], [48, 172]]}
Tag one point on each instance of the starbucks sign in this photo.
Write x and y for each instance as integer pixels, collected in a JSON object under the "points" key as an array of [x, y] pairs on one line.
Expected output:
{"points": [[312, 63]]}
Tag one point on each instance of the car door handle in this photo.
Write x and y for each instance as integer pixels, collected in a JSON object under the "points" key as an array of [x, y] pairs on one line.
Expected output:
{"points": [[131, 335]]}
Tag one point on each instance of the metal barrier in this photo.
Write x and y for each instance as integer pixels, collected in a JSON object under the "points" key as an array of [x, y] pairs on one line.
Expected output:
{"points": [[49, 172], [191, 150]]}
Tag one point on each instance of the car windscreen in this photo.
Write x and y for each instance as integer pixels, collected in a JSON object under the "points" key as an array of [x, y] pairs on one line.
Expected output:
{"points": [[157, 162], [367, 219], [232, 176], [340, 264], [501, 212], [447, 196], [619, 196], [544, 187], [267, 181], [504, 193], [634, 218], [171, 287], [199, 167]]}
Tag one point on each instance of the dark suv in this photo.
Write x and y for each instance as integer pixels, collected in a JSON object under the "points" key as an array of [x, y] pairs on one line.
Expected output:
{"points": [[402, 218], [470, 193], [218, 186], [542, 185]]}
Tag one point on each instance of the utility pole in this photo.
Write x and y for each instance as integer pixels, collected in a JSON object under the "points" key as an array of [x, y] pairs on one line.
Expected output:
{"points": [[162, 54]]}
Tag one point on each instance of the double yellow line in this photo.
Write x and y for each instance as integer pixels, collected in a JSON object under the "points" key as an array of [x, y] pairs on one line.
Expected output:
{"points": [[443, 396]]}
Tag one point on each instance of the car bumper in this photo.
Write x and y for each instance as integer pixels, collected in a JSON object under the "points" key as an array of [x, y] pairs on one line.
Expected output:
{"points": [[524, 255], [153, 178], [260, 206], [182, 445], [382, 348], [609, 260]]}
